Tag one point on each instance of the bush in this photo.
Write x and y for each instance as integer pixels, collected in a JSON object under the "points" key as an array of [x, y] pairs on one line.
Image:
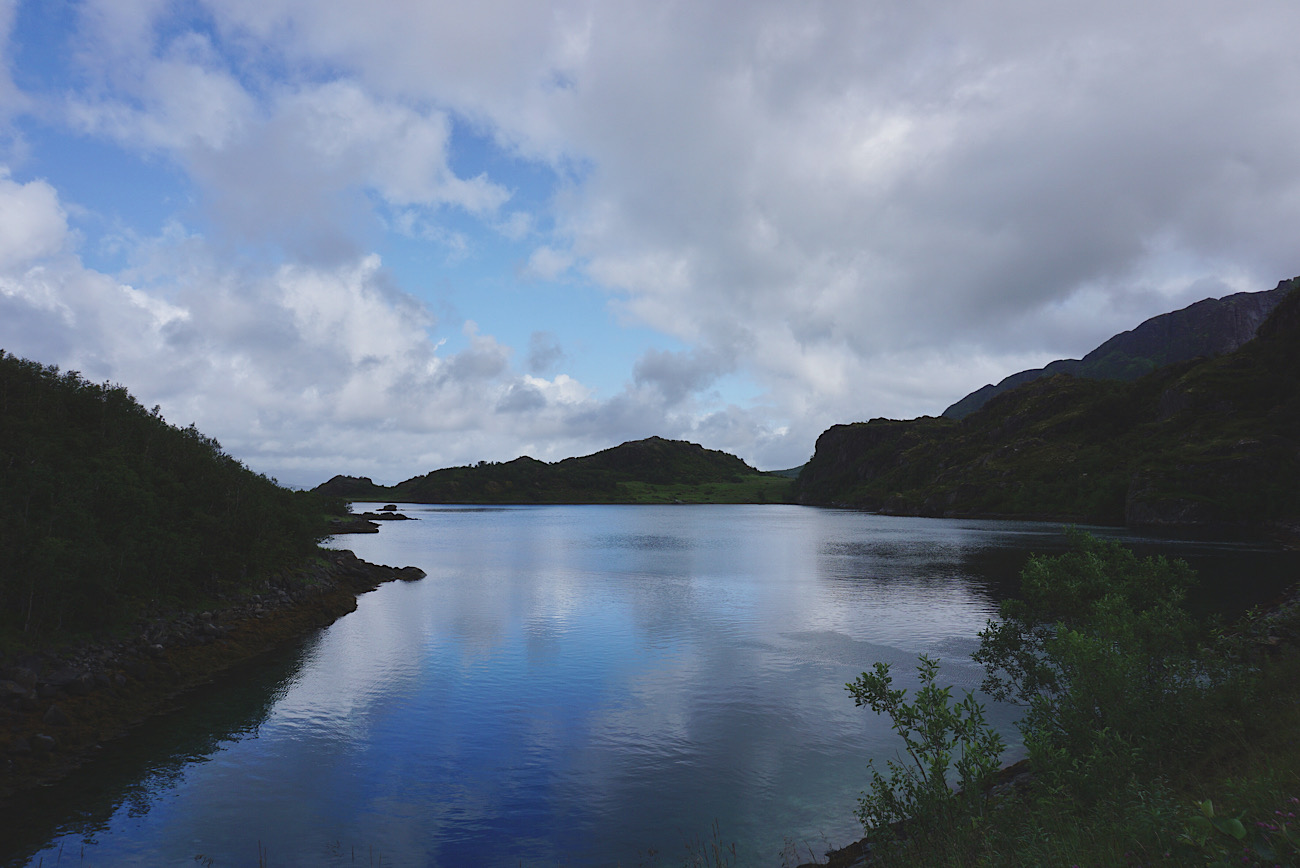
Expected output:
{"points": [[939, 736], [1107, 659]]}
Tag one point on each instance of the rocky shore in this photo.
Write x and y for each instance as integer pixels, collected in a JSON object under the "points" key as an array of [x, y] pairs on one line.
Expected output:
{"points": [[59, 707]]}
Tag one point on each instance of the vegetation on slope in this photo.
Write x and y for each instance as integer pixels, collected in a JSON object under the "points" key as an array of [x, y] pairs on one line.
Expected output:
{"points": [[107, 511], [1205, 442], [653, 470], [1208, 328]]}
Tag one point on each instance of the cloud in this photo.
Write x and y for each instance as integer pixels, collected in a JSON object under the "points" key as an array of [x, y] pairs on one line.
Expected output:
{"points": [[677, 375], [858, 209], [32, 223], [544, 352], [301, 164], [546, 263]]}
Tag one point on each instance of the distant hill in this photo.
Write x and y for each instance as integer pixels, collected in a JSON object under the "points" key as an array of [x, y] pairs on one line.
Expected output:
{"points": [[1209, 442], [1208, 328], [651, 470]]}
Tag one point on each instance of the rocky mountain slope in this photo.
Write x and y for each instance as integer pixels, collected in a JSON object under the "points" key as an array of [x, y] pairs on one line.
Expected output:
{"points": [[1209, 442], [1208, 328]]}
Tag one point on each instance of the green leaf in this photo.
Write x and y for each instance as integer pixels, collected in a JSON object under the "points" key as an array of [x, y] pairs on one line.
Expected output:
{"points": [[1231, 826]]}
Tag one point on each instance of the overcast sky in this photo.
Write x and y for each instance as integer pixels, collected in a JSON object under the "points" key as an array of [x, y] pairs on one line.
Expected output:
{"points": [[380, 238]]}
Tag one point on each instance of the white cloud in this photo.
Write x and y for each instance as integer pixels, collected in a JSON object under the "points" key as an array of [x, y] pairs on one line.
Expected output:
{"points": [[32, 223], [546, 263], [860, 209]]}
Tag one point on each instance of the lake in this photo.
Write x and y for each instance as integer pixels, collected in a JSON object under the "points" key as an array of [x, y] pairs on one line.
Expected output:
{"points": [[571, 685]]}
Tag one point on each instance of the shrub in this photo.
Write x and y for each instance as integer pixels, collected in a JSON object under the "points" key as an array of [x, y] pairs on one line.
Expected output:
{"points": [[939, 736], [1102, 651]]}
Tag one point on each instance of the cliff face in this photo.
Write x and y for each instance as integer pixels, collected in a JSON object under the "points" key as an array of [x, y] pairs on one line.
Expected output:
{"points": [[1204, 442], [1205, 329]]}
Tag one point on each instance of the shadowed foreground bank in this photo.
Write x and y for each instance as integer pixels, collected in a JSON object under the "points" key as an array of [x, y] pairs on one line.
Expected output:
{"points": [[59, 706]]}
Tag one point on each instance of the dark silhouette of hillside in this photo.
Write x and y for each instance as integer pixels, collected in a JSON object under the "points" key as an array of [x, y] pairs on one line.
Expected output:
{"points": [[106, 510], [1208, 442], [603, 477], [1208, 328]]}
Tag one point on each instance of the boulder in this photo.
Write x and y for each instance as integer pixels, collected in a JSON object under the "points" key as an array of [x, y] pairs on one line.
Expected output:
{"points": [[55, 716]]}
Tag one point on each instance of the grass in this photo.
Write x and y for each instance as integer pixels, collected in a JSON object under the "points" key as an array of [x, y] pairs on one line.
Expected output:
{"points": [[756, 488]]}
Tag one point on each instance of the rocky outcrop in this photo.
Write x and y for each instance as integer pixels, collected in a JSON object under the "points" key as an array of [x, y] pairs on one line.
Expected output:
{"points": [[57, 706], [352, 525], [1208, 328]]}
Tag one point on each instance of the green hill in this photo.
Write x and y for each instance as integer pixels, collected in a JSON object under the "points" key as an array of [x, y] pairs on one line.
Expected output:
{"points": [[653, 470], [107, 511], [1202, 443]]}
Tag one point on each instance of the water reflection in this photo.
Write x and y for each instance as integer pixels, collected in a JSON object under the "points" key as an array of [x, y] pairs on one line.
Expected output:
{"points": [[133, 775], [570, 685]]}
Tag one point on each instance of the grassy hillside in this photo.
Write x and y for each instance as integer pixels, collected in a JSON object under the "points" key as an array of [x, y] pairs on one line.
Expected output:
{"points": [[1205, 442], [106, 510], [653, 470]]}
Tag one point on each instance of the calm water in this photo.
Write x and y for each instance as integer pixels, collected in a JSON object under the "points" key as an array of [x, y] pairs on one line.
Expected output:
{"points": [[569, 686]]}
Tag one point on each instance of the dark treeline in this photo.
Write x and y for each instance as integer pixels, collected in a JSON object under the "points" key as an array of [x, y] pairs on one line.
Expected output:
{"points": [[602, 477], [106, 510]]}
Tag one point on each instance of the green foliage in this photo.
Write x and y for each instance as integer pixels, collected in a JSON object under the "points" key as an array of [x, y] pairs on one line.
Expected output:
{"points": [[1218, 842], [105, 508], [1105, 656], [939, 736], [1134, 708]]}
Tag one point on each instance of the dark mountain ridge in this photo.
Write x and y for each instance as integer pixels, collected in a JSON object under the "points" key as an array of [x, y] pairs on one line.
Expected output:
{"points": [[602, 477], [1208, 328], [1207, 442]]}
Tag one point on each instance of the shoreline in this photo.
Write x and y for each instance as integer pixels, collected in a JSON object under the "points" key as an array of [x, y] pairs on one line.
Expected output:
{"points": [[59, 708]]}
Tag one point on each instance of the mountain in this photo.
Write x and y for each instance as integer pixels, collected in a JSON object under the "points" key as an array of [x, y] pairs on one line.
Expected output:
{"points": [[1207, 442], [648, 470], [1207, 328]]}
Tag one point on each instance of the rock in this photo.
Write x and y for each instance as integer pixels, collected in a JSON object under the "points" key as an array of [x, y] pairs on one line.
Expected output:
{"points": [[20, 745], [137, 669], [43, 744], [388, 507], [411, 574], [55, 716], [12, 690], [338, 526]]}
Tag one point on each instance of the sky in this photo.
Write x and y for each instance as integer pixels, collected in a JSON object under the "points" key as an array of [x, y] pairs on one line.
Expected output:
{"points": [[382, 238]]}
